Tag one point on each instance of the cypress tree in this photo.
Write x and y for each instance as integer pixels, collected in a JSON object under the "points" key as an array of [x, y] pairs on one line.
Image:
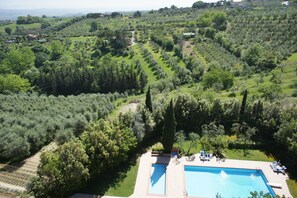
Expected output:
{"points": [[169, 128], [148, 100], [143, 80], [242, 108]]}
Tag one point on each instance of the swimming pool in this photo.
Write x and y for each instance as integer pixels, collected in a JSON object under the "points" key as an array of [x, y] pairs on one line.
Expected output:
{"points": [[158, 179], [226, 182]]}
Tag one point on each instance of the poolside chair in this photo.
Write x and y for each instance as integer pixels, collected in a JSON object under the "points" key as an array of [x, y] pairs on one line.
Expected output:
{"points": [[279, 170], [207, 157], [202, 153], [202, 158], [274, 164], [282, 171]]}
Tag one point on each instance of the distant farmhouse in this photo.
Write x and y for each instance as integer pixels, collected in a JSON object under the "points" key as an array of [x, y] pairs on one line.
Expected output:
{"points": [[285, 3], [189, 35]]}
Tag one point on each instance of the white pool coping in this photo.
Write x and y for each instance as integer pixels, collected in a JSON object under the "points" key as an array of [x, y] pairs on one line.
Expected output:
{"points": [[175, 187]]}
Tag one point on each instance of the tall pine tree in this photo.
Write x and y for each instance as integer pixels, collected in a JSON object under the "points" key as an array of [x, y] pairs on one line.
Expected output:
{"points": [[169, 128], [148, 100]]}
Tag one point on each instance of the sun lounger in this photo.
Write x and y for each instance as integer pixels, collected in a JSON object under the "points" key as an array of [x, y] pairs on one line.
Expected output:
{"points": [[207, 157], [202, 153], [275, 185], [274, 164], [279, 169], [202, 158]]}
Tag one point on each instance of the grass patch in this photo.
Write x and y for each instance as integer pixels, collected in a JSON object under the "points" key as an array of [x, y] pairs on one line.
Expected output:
{"points": [[115, 183], [292, 184], [292, 58], [26, 26], [144, 64], [126, 186], [254, 155], [185, 146], [159, 60]]}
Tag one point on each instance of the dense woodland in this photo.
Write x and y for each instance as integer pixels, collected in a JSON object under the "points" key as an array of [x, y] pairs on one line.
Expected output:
{"points": [[232, 74]]}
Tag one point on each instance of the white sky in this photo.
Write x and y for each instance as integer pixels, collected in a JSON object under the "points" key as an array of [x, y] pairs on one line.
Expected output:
{"points": [[100, 5]]}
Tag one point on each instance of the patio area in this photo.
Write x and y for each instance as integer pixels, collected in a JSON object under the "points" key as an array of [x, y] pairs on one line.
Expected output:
{"points": [[175, 187]]}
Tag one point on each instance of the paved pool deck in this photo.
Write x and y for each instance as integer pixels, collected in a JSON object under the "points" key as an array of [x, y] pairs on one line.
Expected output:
{"points": [[175, 187]]}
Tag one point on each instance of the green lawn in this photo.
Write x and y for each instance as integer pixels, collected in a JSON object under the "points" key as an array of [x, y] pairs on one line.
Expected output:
{"points": [[120, 182], [292, 184], [255, 155], [292, 58], [126, 186]]}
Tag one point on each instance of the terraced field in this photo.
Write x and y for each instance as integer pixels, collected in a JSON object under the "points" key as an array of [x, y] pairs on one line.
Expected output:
{"points": [[158, 58], [145, 66], [16, 177], [213, 53]]}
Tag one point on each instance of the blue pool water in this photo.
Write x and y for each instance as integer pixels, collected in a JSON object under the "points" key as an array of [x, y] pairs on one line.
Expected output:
{"points": [[227, 182], [158, 179]]}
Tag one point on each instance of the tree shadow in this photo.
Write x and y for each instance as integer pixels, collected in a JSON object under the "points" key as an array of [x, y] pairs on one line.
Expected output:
{"points": [[111, 178], [157, 174], [281, 154]]}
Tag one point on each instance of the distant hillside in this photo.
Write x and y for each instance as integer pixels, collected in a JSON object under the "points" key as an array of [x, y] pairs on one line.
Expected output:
{"points": [[11, 14]]}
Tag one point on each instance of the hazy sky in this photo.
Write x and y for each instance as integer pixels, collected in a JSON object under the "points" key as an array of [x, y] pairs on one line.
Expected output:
{"points": [[102, 5]]}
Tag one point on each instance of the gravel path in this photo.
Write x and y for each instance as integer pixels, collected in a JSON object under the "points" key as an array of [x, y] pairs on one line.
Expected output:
{"points": [[129, 107]]}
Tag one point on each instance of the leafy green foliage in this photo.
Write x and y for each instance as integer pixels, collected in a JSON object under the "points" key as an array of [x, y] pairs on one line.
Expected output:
{"points": [[169, 128], [194, 139], [190, 113], [218, 79], [271, 30], [215, 54], [110, 77], [215, 19], [245, 132], [148, 100], [61, 172], [57, 49], [94, 26], [243, 105], [18, 61], [137, 14], [107, 144], [227, 42], [199, 5], [28, 19], [104, 145], [28, 122], [13, 83], [287, 133], [8, 30]]}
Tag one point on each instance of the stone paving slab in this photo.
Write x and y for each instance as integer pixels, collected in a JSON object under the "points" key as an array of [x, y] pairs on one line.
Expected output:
{"points": [[81, 195], [175, 187]]}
